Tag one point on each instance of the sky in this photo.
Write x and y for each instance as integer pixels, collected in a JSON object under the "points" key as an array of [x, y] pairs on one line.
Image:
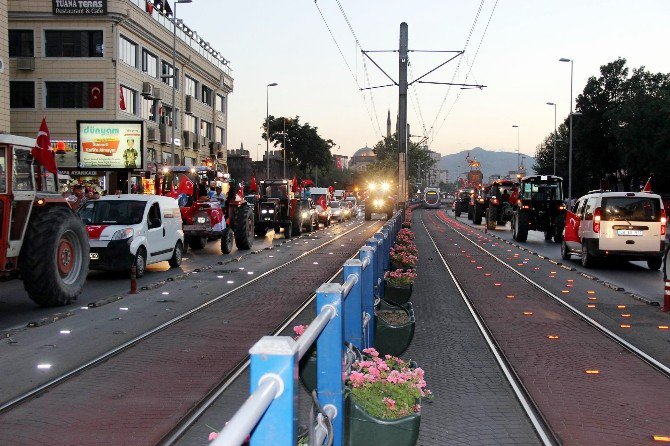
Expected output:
{"points": [[516, 57]]}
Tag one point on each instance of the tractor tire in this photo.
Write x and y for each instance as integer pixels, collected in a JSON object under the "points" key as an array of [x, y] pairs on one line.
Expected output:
{"points": [[457, 211], [470, 213], [477, 216], [227, 241], [310, 226], [558, 229], [177, 254], [368, 214], [54, 258], [296, 225], [520, 227], [288, 229], [197, 243], [244, 227], [491, 219]]}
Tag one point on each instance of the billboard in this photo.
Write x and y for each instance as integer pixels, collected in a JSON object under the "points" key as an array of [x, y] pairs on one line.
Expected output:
{"points": [[110, 145], [79, 7]]}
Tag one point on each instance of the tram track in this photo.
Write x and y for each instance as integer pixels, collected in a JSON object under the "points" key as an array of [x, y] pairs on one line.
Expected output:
{"points": [[7, 406], [548, 369]]}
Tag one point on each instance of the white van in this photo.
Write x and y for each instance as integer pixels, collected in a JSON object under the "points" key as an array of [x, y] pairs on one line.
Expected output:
{"points": [[131, 229], [616, 224]]}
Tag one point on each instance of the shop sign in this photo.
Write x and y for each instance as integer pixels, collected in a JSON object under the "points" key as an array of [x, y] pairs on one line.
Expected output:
{"points": [[79, 7], [110, 145], [81, 173]]}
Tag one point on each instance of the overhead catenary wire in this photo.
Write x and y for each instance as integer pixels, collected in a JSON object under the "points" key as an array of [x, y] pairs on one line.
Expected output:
{"points": [[353, 75], [418, 103], [470, 65]]}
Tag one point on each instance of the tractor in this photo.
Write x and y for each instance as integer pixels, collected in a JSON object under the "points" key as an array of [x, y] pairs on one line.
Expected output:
{"points": [[540, 207], [461, 202], [478, 204], [276, 207], [379, 201], [205, 218], [42, 240], [501, 197]]}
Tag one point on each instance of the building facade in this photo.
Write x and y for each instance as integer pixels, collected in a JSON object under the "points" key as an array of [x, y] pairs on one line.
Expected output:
{"points": [[362, 158], [4, 70], [113, 62]]}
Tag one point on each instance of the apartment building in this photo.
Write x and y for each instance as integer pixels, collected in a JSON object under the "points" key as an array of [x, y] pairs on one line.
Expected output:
{"points": [[112, 60], [4, 70]]}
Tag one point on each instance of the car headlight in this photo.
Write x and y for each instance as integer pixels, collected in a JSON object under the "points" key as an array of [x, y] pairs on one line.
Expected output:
{"points": [[372, 186], [304, 215], [123, 234], [201, 220], [386, 187]]}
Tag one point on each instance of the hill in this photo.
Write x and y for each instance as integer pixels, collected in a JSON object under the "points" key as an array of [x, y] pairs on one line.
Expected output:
{"points": [[493, 162]]}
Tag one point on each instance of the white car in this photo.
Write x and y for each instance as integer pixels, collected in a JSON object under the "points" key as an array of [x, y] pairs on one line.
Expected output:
{"points": [[127, 230], [603, 224]]}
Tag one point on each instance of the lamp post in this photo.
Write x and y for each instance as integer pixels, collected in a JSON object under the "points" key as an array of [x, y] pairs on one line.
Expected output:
{"points": [[267, 127], [174, 71], [555, 134], [517, 147], [563, 59]]}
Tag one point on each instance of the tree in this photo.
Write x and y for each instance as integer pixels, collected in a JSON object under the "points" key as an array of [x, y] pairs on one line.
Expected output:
{"points": [[305, 149]]}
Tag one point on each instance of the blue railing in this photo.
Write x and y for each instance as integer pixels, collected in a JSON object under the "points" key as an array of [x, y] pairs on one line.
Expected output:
{"points": [[345, 316]]}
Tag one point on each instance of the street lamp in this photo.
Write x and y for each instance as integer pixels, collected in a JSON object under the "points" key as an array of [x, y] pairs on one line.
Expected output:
{"points": [[517, 146], [174, 71], [555, 134], [563, 59], [267, 127]]}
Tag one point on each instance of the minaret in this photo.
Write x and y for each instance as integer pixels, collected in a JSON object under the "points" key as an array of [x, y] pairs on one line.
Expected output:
{"points": [[388, 124]]}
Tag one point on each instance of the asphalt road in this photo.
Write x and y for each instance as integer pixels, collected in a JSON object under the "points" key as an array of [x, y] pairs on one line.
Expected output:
{"points": [[632, 276]]}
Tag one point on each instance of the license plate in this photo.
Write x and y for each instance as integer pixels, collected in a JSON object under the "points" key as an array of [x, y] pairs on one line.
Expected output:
{"points": [[94, 256], [629, 232]]}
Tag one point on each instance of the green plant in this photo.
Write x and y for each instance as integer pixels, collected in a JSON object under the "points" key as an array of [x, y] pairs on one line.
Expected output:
{"points": [[400, 277]]}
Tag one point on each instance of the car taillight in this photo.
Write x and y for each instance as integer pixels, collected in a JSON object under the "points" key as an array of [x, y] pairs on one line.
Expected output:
{"points": [[596, 220], [664, 221]]}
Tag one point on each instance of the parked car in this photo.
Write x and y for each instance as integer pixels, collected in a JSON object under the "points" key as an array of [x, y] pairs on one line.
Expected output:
{"points": [[310, 216], [126, 230], [629, 225]]}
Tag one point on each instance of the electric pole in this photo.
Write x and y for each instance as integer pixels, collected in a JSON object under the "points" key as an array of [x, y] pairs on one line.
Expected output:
{"points": [[402, 115]]}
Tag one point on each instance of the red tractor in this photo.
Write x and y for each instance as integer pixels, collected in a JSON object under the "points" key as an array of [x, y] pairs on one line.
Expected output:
{"points": [[42, 241], [204, 217], [276, 207]]}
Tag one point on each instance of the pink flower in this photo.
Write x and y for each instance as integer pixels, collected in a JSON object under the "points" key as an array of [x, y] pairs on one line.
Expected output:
{"points": [[299, 329], [357, 379], [389, 402], [371, 351], [213, 435]]}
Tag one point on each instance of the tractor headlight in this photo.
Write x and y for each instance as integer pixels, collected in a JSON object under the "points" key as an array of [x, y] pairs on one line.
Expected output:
{"points": [[202, 220], [264, 211], [123, 234], [271, 211], [304, 215], [386, 187], [373, 186]]}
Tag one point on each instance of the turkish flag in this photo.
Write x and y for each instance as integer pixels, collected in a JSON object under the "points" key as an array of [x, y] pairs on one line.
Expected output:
{"points": [[647, 187], [253, 187], [42, 151], [122, 101], [322, 202], [294, 185], [95, 95], [185, 186]]}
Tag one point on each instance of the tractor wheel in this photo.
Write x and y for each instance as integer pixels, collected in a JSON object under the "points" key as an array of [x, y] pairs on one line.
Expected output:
{"points": [[296, 225], [457, 211], [558, 229], [477, 216], [288, 229], [54, 257], [196, 243], [310, 226], [491, 219], [244, 227], [227, 240], [175, 261], [520, 227], [368, 214]]}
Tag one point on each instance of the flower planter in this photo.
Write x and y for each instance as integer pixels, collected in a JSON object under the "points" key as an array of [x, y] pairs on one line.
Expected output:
{"points": [[395, 266], [393, 339], [362, 429], [398, 295], [307, 368]]}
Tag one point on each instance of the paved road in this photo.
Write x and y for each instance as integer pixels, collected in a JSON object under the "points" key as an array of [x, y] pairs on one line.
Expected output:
{"points": [[633, 276]]}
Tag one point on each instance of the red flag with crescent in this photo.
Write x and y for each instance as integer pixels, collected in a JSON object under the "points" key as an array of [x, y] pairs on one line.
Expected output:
{"points": [[253, 187], [322, 202], [42, 151], [95, 95], [647, 187]]}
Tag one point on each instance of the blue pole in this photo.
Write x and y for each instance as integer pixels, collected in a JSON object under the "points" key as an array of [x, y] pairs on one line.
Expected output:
{"points": [[276, 356], [353, 310], [368, 297], [374, 243], [330, 352], [381, 259]]}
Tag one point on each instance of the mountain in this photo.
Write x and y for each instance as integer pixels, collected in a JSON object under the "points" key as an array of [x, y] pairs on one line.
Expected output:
{"points": [[493, 162]]}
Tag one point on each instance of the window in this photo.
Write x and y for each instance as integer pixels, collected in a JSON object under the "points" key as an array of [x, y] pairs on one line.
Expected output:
{"points": [[166, 116], [21, 43], [3, 171], [128, 51], [589, 208], [190, 123], [149, 64], [148, 110], [206, 129], [21, 94], [206, 95], [221, 103], [129, 99], [154, 217], [151, 154], [22, 178], [167, 70], [220, 135], [191, 86], [69, 43], [74, 94]]}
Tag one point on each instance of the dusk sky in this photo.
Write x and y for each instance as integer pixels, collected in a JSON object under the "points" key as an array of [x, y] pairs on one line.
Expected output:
{"points": [[288, 43]]}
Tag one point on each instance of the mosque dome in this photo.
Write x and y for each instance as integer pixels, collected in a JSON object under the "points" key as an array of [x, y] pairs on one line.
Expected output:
{"points": [[364, 151]]}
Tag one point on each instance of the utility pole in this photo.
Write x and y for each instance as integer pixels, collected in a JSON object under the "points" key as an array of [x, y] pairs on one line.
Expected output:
{"points": [[402, 114]]}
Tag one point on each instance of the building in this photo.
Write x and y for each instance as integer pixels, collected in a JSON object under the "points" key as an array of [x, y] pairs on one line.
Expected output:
{"points": [[433, 174], [362, 158], [112, 60], [4, 70], [341, 162]]}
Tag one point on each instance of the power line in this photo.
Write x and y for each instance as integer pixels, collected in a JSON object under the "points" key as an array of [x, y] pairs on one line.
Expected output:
{"points": [[416, 98], [469, 68], [348, 67]]}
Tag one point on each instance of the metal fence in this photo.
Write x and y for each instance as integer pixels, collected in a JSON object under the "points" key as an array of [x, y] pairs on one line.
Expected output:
{"points": [[345, 315]]}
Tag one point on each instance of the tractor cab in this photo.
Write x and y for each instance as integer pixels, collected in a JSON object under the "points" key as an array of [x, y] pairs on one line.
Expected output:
{"points": [[41, 239], [277, 208], [203, 180], [540, 207], [501, 197]]}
